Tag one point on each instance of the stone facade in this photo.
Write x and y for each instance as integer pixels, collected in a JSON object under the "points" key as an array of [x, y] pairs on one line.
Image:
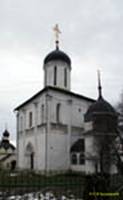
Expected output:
{"points": [[52, 133], [52, 123]]}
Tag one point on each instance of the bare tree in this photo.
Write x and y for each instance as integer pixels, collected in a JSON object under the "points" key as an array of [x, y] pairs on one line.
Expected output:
{"points": [[119, 108], [103, 149]]}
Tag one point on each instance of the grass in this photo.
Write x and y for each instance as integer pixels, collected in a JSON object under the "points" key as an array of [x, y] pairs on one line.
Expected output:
{"points": [[24, 181], [20, 182]]}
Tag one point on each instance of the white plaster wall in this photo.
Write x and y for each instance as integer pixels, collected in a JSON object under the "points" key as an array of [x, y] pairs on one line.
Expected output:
{"points": [[78, 108], [20, 154], [49, 74], [39, 150], [7, 162], [89, 153], [21, 120], [89, 167], [71, 115], [89, 145], [41, 101], [78, 168], [88, 126], [30, 134], [30, 107], [57, 151]]}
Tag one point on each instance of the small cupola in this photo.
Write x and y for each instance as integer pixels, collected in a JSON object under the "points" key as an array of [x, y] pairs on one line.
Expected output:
{"points": [[5, 140], [101, 113], [57, 66], [6, 135], [5, 143]]}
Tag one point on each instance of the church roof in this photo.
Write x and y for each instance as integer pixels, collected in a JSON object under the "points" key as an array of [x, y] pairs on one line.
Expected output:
{"points": [[63, 91], [57, 55], [78, 146], [101, 106], [5, 157], [6, 145], [97, 133]]}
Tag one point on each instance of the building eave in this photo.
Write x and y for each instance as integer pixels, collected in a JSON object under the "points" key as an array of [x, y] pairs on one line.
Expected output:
{"points": [[63, 91]]}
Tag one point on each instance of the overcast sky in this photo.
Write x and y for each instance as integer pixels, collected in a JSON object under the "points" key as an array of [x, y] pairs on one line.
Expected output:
{"points": [[92, 35]]}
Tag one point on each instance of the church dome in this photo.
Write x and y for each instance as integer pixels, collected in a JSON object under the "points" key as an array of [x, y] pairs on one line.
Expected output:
{"points": [[57, 55], [4, 143], [101, 106], [6, 133]]}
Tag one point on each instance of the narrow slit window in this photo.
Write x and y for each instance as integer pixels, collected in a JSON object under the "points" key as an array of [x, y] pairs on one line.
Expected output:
{"points": [[58, 112], [55, 75], [30, 119], [65, 77], [42, 114]]}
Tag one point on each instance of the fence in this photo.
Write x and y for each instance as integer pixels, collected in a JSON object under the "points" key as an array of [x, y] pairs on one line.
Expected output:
{"points": [[27, 185], [15, 184]]}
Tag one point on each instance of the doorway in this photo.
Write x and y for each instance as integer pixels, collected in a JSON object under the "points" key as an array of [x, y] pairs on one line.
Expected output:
{"points": [[29, 157]]}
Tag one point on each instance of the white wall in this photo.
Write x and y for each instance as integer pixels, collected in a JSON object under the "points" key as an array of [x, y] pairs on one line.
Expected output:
{"points": [[90, 152], [59, 140], [49, 74], [38, 146], [78, 108], [57, 151]]}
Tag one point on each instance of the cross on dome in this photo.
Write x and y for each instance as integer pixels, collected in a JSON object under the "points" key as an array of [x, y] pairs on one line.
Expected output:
{"points": [[57, 32]]}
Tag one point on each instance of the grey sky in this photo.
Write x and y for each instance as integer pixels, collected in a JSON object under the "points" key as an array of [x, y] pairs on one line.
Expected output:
{"points": [[92, 35]]}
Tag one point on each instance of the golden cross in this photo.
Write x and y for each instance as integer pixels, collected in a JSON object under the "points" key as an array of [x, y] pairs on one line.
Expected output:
{"points": [[57, 32]]}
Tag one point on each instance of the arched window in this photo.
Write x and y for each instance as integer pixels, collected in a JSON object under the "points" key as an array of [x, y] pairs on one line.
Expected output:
{"points": [[55, 75], [29, 153], [42, 113], [58, 112], [74, 159], [81, 159], [65, 77]]}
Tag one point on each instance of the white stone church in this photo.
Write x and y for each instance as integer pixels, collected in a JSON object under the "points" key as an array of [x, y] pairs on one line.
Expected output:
{"points": [[53, 133]]}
